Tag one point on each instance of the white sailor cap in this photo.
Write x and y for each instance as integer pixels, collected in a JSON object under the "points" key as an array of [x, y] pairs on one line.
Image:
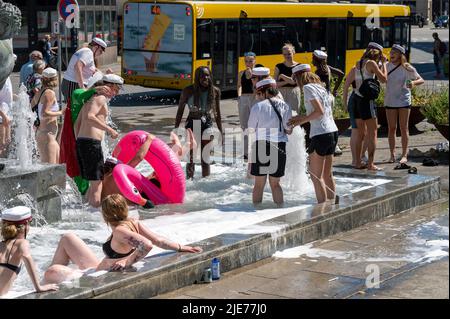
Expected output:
{"points": [[98, 76], [301, 68], [320, 54], [113, 160], [49, 73], [112, 78], [261, 71], [266, 83], [17, 215], [375, 45], [100, 42], [398, 47]]}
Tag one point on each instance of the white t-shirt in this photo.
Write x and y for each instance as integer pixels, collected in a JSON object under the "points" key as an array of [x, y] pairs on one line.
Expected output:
{"points": [[264, 120], [397, 94], [6, 98], [325, 124], [86, 56]]}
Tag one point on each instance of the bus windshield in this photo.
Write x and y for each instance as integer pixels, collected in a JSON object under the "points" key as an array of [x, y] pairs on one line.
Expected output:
{"points": [[157, 39]]}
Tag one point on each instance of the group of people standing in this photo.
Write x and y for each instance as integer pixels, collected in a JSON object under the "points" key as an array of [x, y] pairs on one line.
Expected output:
{"points": [[267, 103]]}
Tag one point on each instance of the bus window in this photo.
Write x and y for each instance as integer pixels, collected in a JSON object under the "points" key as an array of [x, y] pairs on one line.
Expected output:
{"points": [[250, 38], [204, 39], [295, 34], [315, 33], [359, 35], [405, 33], [382, 35], [273, 36]]}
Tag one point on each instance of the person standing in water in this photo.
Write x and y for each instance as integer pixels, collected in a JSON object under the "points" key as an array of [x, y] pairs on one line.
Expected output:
{"points": [[203, 100], [48, 112], [323, 133], [268, 121], [90, 129]]}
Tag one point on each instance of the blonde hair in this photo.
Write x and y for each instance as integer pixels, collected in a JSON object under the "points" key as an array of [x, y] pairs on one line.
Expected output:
{"points": [[306, 78], [114, 209], [50, 83], [288, 46], [372, 54], [10, 230]]}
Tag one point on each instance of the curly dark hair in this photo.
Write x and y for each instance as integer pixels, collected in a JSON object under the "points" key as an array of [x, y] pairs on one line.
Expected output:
{"points": [[198, 87]]}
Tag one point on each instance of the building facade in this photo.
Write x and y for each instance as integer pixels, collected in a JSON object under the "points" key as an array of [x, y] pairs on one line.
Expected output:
{"points": [[98, 18]]}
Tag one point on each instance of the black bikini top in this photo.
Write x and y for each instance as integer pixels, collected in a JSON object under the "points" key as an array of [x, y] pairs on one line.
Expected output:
{"points": [[111, 253], [9, 266]]}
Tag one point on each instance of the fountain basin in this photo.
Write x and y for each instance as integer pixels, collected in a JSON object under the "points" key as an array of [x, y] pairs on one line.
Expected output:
{"points": [[170, 270], [38, 182]]}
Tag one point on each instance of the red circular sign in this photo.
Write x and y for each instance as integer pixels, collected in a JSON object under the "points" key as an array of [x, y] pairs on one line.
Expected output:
{"points": [[62, 5]]}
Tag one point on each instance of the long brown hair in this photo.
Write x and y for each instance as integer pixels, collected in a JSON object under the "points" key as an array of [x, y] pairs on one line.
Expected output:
{"points": [[114, 209], [321, 65], [372, 54], [306, 78]]}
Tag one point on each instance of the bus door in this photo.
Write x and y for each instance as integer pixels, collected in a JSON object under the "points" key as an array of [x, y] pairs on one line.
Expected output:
{"points": [[225, 54], [402, 32], [336, 42]]}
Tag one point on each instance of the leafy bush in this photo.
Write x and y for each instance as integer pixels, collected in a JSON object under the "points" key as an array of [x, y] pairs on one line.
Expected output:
{"points": [[436, 109]]}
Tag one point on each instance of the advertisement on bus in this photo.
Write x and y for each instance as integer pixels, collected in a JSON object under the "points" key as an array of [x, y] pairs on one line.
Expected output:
{"points": [[157, 40]]}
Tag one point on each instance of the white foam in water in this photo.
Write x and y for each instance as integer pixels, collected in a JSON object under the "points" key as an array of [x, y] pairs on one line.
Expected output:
{"points": [[310, 252]]}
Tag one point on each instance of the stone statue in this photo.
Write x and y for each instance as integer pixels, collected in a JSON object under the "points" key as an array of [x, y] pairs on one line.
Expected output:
{"points": [[10, 22]]}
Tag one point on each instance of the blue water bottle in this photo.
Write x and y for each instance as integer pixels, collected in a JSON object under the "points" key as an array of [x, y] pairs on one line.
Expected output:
{"points": [[215, 268]]}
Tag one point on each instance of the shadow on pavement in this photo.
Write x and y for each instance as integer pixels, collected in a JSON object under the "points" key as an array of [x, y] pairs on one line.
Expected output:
{"points": [[149, 98]]}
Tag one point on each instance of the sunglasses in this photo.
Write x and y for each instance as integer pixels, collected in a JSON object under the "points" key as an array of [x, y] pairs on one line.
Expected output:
{"points": [[246, 54]]}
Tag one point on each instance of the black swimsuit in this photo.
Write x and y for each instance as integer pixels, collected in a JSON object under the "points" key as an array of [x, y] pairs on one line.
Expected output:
{"points": [[110, 253], [9, 266]]}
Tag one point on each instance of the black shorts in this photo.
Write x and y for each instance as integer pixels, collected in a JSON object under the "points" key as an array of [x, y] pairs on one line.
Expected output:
{"points": [[323, 144], [205, 124], [268, 158], [364, 109], [90, 158]]}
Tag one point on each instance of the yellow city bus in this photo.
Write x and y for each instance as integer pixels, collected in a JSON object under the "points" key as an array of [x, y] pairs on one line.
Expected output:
{"points": [[165, 41]]}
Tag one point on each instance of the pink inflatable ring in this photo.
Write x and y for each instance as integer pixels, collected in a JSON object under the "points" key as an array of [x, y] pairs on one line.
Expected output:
{"points": [[165, 163]]}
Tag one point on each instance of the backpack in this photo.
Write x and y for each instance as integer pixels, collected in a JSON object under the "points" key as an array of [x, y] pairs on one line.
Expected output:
{"points": [[370, 88], [442, 48]]}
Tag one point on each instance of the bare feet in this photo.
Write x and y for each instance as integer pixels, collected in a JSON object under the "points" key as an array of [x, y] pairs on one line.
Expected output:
{"points": [[374, 168], [392, 159], [361, 165], [403, 160]]}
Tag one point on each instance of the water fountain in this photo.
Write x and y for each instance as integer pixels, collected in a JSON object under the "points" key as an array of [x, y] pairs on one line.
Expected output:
{"points": [[23, 177]]}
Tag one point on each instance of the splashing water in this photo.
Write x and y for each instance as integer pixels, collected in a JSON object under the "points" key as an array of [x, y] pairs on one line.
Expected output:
{"points": [[31, 202], [108, 144], [24, 148], [295, 177]]}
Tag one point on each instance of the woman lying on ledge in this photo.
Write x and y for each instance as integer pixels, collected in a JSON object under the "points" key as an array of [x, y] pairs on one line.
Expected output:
{"points": [[129, 242]]}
